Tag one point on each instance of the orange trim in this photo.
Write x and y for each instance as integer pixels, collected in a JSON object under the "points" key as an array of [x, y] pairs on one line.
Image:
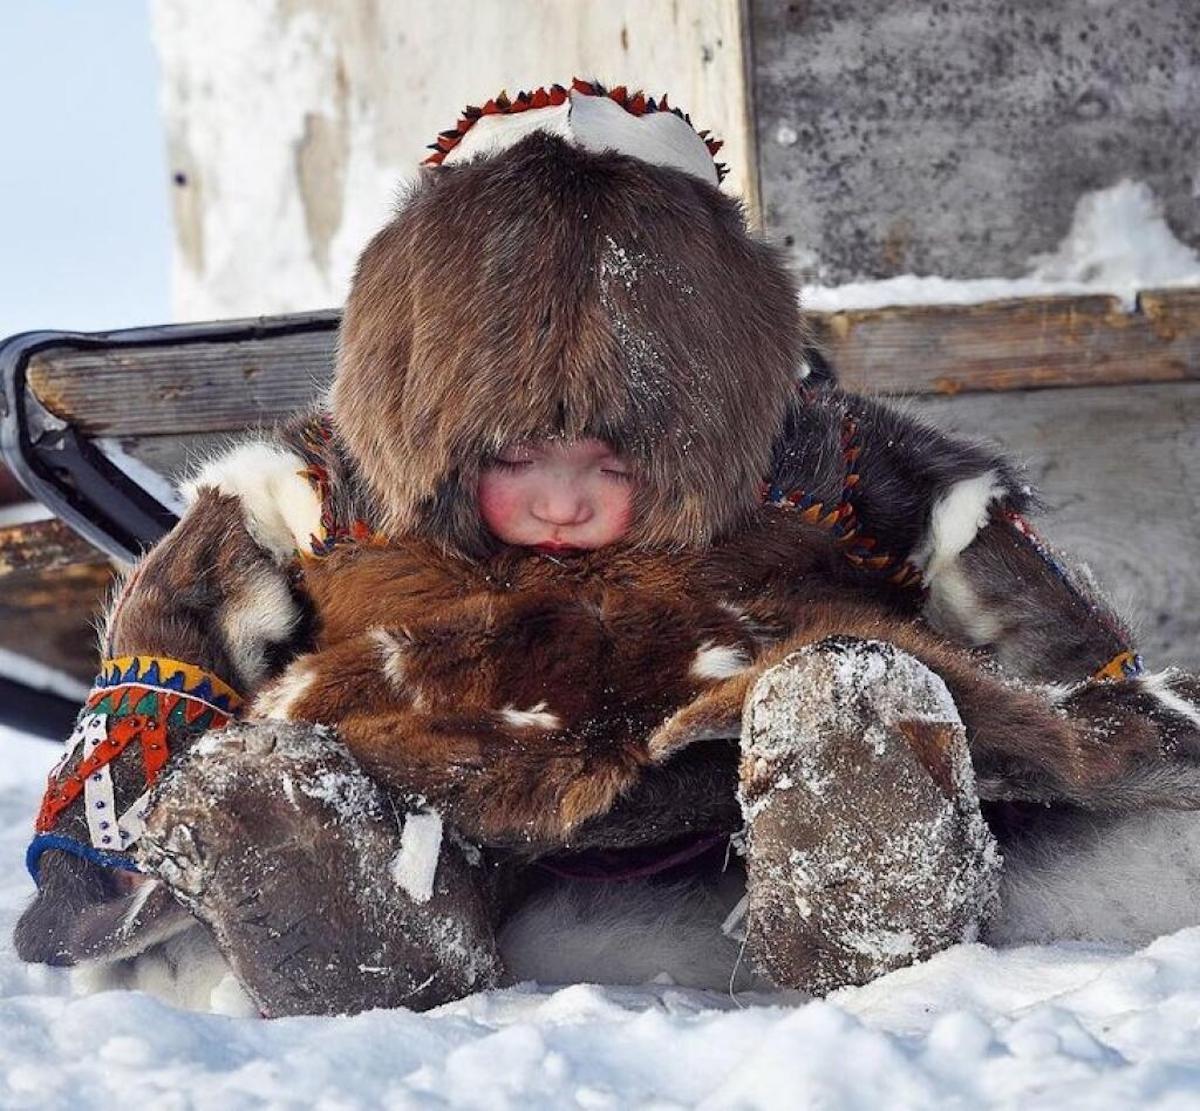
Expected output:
{"points": [[636, 104]]}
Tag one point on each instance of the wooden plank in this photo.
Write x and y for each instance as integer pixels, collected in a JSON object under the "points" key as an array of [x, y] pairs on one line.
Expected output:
{"points": [[210, 387], [47, 545], [206, 386], [1120, 471], [51, 617], [1018, 344]]}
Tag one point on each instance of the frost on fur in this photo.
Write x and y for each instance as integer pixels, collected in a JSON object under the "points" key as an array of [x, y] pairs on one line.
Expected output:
{"points": [[867, 844]]}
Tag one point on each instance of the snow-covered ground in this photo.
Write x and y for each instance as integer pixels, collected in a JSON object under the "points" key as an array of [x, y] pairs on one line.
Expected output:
{"points": [[1054, 1026]]}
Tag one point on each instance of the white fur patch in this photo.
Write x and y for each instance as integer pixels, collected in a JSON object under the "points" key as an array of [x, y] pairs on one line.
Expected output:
{"points": [[282, 510], [1121, 879], [392, 655], [628, 933], [1157, 686], [955, 521], [539, 717], [275, 702], [718, 661], [186, 971], [957, 517], [262, 612], [415, 866]]}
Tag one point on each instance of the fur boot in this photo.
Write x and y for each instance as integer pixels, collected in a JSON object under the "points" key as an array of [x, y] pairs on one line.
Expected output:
{"points": [[320, 895], [867, 850]]}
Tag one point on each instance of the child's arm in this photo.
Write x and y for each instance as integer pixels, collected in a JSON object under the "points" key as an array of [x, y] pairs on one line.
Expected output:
{"points": [[923, 510], [196, 627]]}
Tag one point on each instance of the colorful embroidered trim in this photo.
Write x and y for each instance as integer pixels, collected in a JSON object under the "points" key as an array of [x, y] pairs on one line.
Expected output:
{"points": [[168, 676], [316, 437], [636, 104], [1124, 665], [136, 698], [841, 519]]}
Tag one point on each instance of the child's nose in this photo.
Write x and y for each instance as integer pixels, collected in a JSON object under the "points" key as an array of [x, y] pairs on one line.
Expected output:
{"points": [[561, 506]]}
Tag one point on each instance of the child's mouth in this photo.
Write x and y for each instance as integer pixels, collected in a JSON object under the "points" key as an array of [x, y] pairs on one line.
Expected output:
{"points": [[555, 548]]}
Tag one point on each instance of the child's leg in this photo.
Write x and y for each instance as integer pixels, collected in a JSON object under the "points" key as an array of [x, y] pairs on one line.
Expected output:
{"points": [[321, 895], [866, 847]]}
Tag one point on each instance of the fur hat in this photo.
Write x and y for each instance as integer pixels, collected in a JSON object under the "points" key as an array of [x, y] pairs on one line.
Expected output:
{"points": [[546, 289]]}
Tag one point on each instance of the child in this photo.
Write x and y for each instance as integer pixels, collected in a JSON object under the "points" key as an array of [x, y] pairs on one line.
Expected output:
{"points": [[570, 282]]}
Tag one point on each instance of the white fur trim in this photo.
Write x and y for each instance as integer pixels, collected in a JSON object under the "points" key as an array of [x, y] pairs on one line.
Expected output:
{"points": [[953, 606], [595, 123], [718, 661], [262, 612], [1157, 685], [276, 700], [186, 970], [538, 716], [415, 866], [955, 521], [282, 510]]}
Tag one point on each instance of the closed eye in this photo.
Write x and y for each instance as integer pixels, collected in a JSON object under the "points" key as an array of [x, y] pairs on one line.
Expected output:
{"points": [[620, 476]]}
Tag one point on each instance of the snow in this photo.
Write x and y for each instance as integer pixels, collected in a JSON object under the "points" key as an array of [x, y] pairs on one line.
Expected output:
{"points": [[415, 865], [1038, 1026], [1118, 244]]}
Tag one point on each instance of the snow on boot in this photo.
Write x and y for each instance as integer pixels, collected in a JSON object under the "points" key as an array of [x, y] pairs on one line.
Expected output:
{"points": [[866, 849], [321, 896]]}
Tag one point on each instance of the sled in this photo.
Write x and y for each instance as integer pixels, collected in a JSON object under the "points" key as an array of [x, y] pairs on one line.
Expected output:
{"points": [[1103, 403]]}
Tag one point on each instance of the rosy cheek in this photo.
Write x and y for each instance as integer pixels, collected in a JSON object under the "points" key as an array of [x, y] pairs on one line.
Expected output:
{"points": [[499, 503], [620, 510]]}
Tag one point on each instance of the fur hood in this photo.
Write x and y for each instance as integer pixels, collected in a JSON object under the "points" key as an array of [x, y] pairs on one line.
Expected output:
{"points": [[552, 291]]}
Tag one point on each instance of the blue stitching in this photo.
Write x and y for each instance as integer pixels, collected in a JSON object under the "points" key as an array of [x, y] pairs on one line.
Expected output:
{"points": [[106, 858]]}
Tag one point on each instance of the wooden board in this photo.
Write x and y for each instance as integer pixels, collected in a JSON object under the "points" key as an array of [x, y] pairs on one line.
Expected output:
{"points": [[212, 387], [1020, 344], [51, 616], [186, 387], [1120, 472], [47, 545]]}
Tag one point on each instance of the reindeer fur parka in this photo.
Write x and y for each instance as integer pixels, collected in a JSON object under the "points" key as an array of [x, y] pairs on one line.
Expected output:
{"points": [[339, 571]]}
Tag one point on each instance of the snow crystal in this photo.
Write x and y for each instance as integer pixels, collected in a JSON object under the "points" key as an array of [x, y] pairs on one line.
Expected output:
{"points": [[415, 865]]}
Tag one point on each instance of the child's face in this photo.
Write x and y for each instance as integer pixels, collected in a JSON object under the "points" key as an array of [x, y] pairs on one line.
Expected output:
{"points": [[557, 495]]}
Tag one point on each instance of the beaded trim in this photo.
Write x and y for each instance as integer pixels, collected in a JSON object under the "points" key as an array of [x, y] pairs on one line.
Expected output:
{"points": [[1124, 665], [136, 699], [168, 676], [636, 104], [315, 439], [841, 518]]}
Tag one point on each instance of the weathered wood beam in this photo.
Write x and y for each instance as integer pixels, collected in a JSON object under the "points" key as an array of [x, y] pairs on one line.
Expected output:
{"points": [[1028, 343], [47, 545], [1038, 342]]}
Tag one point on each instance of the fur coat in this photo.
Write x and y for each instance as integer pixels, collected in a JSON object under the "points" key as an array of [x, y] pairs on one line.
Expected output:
{"points": [[549, 290]]}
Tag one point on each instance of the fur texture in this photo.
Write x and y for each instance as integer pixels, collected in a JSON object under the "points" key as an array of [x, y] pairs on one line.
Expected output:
{"points": [[522, 696], [552, 291]]}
